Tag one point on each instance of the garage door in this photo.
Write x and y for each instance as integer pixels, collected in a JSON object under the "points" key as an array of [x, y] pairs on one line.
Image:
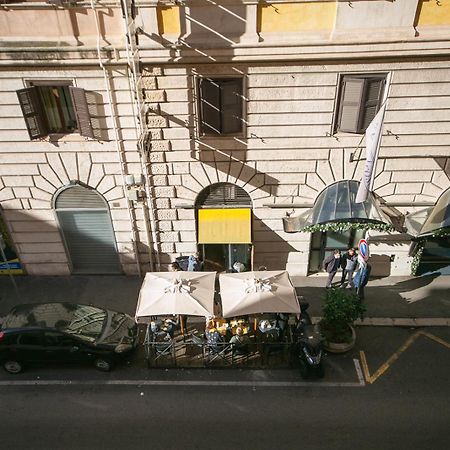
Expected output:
{"points": [[85, 223]]}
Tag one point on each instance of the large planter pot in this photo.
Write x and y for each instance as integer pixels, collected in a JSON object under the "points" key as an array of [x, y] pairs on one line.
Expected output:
{"points": [[335, 347]]}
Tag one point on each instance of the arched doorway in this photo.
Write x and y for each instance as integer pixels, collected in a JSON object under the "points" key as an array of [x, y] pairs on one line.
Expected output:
{"points": [[86, 226], [224, 226]]}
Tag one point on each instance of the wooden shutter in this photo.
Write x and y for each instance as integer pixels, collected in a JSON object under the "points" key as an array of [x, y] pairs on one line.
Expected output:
{"points": [[209, 107], [372, 103], [231, 101], [32, 112], [350, 104], [81, 110]]}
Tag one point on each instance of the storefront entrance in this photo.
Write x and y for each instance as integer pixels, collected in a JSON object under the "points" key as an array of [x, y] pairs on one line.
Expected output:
{"points": [[324, 242], [435, 256], [224, 227]]}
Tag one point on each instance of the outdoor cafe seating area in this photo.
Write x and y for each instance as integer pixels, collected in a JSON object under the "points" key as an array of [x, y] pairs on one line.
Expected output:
{"points": [[191, 321]]}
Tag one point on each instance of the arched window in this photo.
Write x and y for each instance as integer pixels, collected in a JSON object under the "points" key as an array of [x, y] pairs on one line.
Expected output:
{"points": [[224, 226], [86, 226]]}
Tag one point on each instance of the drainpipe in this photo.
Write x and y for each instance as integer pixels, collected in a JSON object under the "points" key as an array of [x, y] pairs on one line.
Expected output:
{"points": [[143, 141], [117, 139]]}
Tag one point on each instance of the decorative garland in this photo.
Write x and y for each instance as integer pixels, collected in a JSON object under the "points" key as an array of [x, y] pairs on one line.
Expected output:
{"points": [[421, 242], [344, 226], [417, 257]]}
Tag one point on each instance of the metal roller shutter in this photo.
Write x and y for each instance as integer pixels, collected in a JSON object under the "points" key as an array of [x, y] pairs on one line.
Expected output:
{"points": [[88, 233]]}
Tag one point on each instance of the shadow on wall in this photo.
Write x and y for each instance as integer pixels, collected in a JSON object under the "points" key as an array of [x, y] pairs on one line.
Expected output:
{"points": [[98, 115], [270, 249], [42, 249]]}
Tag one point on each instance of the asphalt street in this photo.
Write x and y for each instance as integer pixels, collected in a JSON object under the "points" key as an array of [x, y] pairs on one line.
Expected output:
{"points": [[405, 407]]}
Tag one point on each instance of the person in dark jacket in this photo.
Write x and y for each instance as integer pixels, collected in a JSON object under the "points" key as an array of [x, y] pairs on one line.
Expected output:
{"points": [[362, 277], [331, 264], [348, 263]]}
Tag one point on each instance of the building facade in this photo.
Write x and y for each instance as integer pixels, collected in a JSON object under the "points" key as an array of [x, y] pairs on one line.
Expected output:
{"points": [[133, 133]]}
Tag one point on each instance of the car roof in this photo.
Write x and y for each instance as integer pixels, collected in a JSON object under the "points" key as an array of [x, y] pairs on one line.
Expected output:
{"points": [[46, 315]]}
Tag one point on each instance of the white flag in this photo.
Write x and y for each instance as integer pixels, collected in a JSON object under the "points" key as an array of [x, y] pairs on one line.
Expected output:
{"points": [[373, 140]]}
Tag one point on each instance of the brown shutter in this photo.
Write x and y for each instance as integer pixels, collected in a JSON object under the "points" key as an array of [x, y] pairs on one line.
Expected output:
{"points": [[231, 101], [81, 110], [209, 106], [350, 104], [32, 112], [373, 94]]}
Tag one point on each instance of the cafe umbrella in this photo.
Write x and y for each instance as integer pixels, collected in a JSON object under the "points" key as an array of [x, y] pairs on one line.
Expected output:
{"points": [[184, 293], [257, 292]]}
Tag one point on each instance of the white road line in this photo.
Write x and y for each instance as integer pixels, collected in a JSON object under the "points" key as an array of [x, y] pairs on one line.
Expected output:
{"points": [[177, 383], [359, 372]]}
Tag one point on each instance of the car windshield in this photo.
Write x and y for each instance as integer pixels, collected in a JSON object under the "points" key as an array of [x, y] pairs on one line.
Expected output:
{"points": [[85, 322]]}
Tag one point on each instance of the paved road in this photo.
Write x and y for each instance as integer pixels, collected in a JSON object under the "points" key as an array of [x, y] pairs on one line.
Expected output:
{"points": [[406, 407]]}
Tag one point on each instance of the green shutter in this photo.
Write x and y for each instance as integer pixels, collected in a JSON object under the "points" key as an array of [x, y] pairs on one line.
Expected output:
{"points": [[231, 102]]}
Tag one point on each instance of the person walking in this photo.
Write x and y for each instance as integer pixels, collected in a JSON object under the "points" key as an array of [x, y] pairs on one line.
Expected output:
{"points": [[348, 264], [362, 277], [331, 265]]}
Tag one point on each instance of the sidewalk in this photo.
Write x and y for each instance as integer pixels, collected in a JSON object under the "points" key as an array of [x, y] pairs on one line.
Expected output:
{"points": [[399, 298]]}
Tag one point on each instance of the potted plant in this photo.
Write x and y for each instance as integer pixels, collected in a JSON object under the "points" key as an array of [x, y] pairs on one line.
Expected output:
{"points": [[340, 311]]}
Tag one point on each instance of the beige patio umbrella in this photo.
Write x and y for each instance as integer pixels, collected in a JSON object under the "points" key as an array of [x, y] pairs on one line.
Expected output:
{"points": [[185, 293], [257, 292]]}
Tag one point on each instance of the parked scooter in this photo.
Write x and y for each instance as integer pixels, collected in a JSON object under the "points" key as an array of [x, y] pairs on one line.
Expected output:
{"points": [[307, 348]]}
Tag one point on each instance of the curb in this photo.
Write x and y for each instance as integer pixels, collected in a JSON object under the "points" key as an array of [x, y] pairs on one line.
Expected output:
{"points": [[399, 321]]}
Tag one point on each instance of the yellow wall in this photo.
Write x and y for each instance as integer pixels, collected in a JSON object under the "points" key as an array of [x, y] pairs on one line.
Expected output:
{"points": [[168, 20], [431, 12], [291, 17]]}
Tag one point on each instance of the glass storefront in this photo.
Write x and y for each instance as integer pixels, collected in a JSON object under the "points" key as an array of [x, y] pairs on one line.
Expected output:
{"points": [[324, 242]]}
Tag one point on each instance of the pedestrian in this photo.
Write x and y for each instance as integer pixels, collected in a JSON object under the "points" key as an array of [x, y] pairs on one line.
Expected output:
{"points": [[331, 264], [175, 267], [238, 267], [348, 264], [195, 264], [362, 277]]}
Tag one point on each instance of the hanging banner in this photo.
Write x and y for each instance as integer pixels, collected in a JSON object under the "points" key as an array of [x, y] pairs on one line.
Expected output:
{"points": [[9, 261], [373, 140]]}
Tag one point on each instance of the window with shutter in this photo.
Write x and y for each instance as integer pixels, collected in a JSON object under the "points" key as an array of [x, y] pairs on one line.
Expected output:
{"points": [[32, 112], [81, 110], [55, 107], [220, 106], [359, 100]]}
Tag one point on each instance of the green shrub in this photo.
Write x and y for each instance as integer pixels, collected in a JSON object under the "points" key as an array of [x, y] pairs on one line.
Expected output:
{"points": [[340, 310]]}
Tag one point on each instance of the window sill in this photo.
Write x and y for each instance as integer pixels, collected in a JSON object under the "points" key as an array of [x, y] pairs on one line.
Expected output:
{"points": [[212, 137], [72, 137], [346, 134]]}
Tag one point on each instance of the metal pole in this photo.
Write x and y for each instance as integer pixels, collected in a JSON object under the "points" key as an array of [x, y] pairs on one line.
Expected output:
{"points": [[13, 281]]}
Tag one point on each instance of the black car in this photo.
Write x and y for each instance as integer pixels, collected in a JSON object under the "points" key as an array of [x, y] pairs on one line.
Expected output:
{"points": [[57, 332]]}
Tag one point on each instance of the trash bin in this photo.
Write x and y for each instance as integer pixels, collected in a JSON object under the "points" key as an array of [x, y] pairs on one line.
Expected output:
{"points": [[183, 261]]}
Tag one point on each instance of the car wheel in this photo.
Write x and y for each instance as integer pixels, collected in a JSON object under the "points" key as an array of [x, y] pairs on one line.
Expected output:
{"points": [[13, 367], [103, 365]]}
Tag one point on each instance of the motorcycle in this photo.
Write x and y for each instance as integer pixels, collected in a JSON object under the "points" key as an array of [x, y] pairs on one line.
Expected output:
{"points": [[307, 348]]}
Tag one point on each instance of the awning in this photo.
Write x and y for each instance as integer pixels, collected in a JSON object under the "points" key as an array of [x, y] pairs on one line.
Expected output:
{"points": [[439, 218], [225, 226], [336, 204]]}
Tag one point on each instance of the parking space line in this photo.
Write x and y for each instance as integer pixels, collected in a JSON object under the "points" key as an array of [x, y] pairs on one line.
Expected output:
{"points": [[385, 366]]}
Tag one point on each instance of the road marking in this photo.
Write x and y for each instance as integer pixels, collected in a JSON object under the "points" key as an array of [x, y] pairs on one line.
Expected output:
{"points": [[359, 372], [178, 383], [385, 366]]}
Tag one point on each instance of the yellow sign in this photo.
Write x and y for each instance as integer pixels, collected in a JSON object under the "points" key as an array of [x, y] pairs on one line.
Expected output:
{"points": [[225, 226]]}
